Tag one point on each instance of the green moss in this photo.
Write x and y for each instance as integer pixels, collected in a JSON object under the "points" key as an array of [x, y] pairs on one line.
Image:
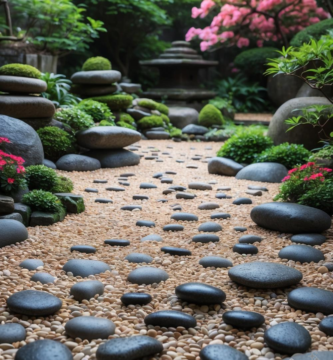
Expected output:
{"points": [[210, 115], [165, 119], [97, 110], [314, 31], [20, 70], [40, 177], [75, 118], [96, 63], [127, 118], [115, 102], [125, 125], [106, 123], [63, 185], [163, 109], [175, 132], [148, 104], [148, 122]]}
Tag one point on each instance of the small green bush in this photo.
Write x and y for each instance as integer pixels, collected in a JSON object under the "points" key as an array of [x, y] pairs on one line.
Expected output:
{"points": [[56, 142], [210, 115], [245, 145], [40, 200], [40, 177], [115, 102], [97, 110], [63, 185], [96, 63], [165, 119], [75, 118], [107, 123], [148, 122], [20, 70], [175, 132], [125, 125], [325, 153], [127, 118], [289, 155], [148, 104], [163, 109], [314, 31]]}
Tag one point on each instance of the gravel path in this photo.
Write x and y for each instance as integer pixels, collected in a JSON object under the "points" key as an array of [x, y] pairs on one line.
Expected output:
{"points": [[106, 221]]}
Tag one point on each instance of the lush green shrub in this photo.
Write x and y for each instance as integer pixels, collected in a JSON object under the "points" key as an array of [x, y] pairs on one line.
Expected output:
{"points": [[245, 145], [175, 132], [325, 153], [163, 109], [96, 63], [126, 125], [289, 155], [40, 177], [56, 142], [40, 200], [314, 31], [210, 115], [75, 118], [107, 123], [165, 119], [254, 60], [63, 185], [148, 122], [115, 102], [20, 70], [309, 185], [148, 104], [97, 110], [127, 118]]}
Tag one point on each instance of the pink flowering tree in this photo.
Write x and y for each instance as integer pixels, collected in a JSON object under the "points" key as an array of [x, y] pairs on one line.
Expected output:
{"points": [[239, 21]]}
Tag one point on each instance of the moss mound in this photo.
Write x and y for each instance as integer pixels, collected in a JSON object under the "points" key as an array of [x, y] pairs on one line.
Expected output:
{"points": [[148, 122], [163, 109], [148, 104], [165, 119], [314, 31], [126, 125], [210, 115], [63, 185], [175, 132], [106, 123], [127, 118], [115, 102], [96, 63], [20, 70]]}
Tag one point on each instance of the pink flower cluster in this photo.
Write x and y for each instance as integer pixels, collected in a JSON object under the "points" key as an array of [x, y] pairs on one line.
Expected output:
{"points": [[239, 20], [316, 172]]}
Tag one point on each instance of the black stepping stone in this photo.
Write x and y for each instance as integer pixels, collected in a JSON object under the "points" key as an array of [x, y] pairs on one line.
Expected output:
{"points": [[43, 278], [152, 237], [140, 197], [326, 326], [312, 300], [31, 264], [85, 290], [44, 349], [157, 175], [136, 299], [117, 242], [124, 183], [288, 338], [146, 223], [254, 192], [245, 249], [83, 249], [91, 190], [162, 201], [184, 217], [205, 238], [242, 201], [115, 188], [221, 352], [249, 239], [168, 191], [147, 275], [222, 196], [138, 258], [254, 187], [215, 261], [243, 319], [104, 201], [301, 253], [147, 186], [199, 186], [12, 332], [131, 207], [308, 239], [100, 181], [151, 157], [170, 318], [171, 172], [176, 251], [224, 188], [313, 355], [191, 167], [173, 227], [166, 181], [177, 188], [89, 328], [186, 196], [177, 208], [130, 348], [208, 206], [199, 293], [127, 174], [220, 216], [240, 228], [33, 303], [210, 227], [84, 268], [180, 161]]}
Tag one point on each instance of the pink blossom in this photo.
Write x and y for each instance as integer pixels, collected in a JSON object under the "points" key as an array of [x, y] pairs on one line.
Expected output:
{"points": [[243, 42], [260, 43]]}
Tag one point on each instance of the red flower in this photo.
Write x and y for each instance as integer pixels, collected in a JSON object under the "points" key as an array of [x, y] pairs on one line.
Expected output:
{"points": [[292, 171], [286, 178], [10, 181], [3, 139]]}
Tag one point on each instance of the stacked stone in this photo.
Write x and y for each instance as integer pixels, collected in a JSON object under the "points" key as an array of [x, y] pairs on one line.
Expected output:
{"points": [[130, 88]]}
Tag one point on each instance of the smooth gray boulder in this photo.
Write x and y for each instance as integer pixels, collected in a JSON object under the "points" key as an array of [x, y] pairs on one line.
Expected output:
{"points": [[183, 116], [115, 158], [21, 85], [307, 91], [98, 77], [11, 232], [49, 164], [157, 135], [73, 162], [194, 130], [265, 172], [93, 90], [223, 166]]}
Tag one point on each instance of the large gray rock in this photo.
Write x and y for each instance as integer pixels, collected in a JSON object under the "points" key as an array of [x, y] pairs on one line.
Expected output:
{"points": [[11, 232], [130, 88], [265, 172], [307, 91], [99, 77], [223, 166], [194, 130], [107, 137], [281, 88], [22, 85], [157, 135], [94, 90], [115, 158], [290, 218], [73, 162], [25, 142], [182, 116], [302, 134]]}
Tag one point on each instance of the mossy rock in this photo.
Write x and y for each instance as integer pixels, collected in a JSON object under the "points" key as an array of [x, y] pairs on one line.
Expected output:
{"points": [[115, 102], [165, 119], [314, 31], [126, 125], [96, 63], [210, 115], [74, 204], [148, 122], [176, 133], [148, 104], [106, 123], [163, 109], [20, 70], [127, 118]]}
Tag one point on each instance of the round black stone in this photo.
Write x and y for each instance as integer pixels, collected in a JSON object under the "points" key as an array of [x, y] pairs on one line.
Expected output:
{"points": [[220, 216], [31, 264], [198, 293], [176, 251], [301, 253], [215, 261], [205, 238], [91, 190], [157, 175], [89, 328], [131, 207], [184, 195], [117, 242], [221, 196], [249, 239], [240, 228], [210, 227], [309, 239], [146, 223], [136, 299], [140, 197], [208, 206], [184, 217], [87, 249], [177, 188], [43, 278], [242, 201], [147, 186], [170, 318], [288, 338], [33, 303], [44, 349], [138, 258], [245, 249], [85, 290], [147, 275], [326, 326], [104, 201], [221, 352], [12, 332], [243, 319], [173, 227], [84, 268]]}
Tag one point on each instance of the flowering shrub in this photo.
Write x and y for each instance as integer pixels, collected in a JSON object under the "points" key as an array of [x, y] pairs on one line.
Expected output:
{"points": [[12, 171], [309, 185], [238, 21]]}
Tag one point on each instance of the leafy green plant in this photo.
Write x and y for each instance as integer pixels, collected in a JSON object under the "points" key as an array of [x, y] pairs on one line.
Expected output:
{"points": [[40, 200], [325, 153], [289, 155], [75, 118], [58, 90], [97, 110], [96, 63], [221, 104], [115, 102], [40, 177], [148, 122], [20, 70], [175, 132], [56, 142], [210, 115], [63, 185]]}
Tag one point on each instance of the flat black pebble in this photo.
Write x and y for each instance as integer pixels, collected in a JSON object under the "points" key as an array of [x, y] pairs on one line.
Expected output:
{"points": [[185, 195], [127, 174], [221, 196], [243, 319], [136, 299], [100, 181], [157, 175], [176, 251], [220, 216], [184, 217], [249, 239], [117, 242], [215, 261], [12, 332], [308, 239], [205, 238], [146, 223], [170, 318], [31, 264], [221, 352], [245, 249], [85, 290], [104, 201], [147, 186], [152, 237], [91, 190], [301, 253], [115, 188], [83, 249], [173, 227], [163, 201], [177, 188], [326, 326], [140, 197], [43, 278], [147, 275], [254, 187], [138, 258], [210, 227], [240, 228], [199, 293], [44, 349], [84, 268], [131, 207], [242, 201]]}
